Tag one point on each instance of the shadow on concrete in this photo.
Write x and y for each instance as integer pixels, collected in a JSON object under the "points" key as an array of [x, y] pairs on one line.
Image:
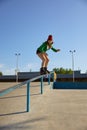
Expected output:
{"points": [[19, 96], [13, 113], [35, 94], [27, 124], [12, 97]]}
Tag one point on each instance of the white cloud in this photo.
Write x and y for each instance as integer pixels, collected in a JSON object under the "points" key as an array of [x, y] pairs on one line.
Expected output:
{"points": [[1, 66], [31, 67], [10, 71], [27, 68]]}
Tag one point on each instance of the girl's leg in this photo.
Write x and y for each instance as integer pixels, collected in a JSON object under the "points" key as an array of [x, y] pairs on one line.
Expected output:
{"points": [[47, 60], [46, 64], [42, 56]]}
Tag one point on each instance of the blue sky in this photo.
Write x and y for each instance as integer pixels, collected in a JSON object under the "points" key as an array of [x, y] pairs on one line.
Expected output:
{"points": [[26, 24]]}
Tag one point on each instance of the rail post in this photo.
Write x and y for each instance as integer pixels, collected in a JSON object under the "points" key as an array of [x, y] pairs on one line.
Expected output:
{"points": [[49, 79], [28, 96], [41, 85]]}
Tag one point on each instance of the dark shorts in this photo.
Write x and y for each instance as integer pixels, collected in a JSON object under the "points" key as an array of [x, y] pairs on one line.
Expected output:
{"points": [[37, 52]]}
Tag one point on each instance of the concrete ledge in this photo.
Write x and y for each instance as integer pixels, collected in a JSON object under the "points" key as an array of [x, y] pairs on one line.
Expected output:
{"points": [[70, 85]]}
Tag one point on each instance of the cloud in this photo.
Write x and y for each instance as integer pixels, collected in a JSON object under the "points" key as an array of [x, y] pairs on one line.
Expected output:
{"points": [[1, 66], [8, 71], [31, 67], [27, 68]]}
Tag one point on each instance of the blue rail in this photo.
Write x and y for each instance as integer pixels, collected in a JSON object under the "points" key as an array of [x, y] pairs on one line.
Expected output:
{"points": [[4, 92]]}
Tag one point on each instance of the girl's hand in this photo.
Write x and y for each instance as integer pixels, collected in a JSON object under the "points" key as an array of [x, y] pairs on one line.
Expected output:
{"points": [[57, 50]]}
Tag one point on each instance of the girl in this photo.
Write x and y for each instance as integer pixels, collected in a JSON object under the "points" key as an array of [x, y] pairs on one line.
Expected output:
{"points": [[41, 52]]}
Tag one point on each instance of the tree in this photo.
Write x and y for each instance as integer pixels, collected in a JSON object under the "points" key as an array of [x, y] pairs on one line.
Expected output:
{"points": [[1, 74], [62, 71]]}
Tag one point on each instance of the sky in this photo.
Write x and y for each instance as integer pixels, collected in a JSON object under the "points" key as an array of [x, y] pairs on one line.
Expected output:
{"points": [[26, 24]]}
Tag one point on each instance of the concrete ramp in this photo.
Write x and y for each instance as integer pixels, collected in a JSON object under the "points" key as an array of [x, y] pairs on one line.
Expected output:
{"points": [[53, 110]]}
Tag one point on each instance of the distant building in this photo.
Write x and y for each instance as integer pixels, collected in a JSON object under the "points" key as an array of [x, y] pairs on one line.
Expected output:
{"points": [[68, 77], [22, 76]]}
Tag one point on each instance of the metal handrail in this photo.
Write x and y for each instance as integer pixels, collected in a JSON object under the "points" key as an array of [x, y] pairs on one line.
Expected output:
{"points": [[4, 92]]}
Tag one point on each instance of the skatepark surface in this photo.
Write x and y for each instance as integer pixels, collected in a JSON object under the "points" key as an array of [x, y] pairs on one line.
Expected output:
{"points": [[55, 109]]}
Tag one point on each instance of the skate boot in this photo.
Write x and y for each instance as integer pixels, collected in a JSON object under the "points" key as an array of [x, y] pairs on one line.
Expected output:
{"points": [[47, 71], [42, 71]]}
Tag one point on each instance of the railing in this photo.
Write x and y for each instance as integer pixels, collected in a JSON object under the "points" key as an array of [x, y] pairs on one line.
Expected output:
{"points": [[4, 92]]}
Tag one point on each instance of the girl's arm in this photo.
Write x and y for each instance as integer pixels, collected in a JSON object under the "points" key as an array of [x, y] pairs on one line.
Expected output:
{"points": [[55, 50]]}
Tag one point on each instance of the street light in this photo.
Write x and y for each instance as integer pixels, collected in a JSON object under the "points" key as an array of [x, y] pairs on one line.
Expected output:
{"points": [[17, 55], [73, 62]]}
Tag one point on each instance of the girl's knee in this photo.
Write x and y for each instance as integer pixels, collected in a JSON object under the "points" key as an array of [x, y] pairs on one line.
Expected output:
{"points": [[44, 59], [47, 60]]}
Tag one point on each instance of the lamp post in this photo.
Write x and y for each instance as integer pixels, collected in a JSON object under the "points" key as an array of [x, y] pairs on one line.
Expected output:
{"points": [[73, 63], [17, 55]]}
